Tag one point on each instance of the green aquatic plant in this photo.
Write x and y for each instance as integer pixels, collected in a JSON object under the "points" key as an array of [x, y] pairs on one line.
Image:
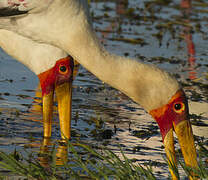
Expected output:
{"points": [[95, 165], [26, 168], [85, 162], [110, 166], [201, 172]]}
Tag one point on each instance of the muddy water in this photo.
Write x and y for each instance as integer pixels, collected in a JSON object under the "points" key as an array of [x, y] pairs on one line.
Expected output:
{"points": [[170, 35]]}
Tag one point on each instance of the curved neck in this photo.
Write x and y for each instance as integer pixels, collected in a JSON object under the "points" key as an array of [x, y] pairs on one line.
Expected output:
{"points": [[143, 83], [29, 52]]}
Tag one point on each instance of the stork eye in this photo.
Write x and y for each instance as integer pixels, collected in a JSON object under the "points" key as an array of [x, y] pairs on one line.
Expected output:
{"points": [[179, 107], [63, 69]]}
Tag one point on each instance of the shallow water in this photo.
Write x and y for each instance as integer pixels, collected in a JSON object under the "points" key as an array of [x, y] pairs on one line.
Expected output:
{"points": [[152, 32]]}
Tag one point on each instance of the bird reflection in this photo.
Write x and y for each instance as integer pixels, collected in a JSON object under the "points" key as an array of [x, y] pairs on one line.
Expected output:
{"points": [[120, 9], [45, 156], [186, 11]]}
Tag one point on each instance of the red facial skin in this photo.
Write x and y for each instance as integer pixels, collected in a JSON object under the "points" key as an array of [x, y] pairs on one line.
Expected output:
{"points": [[168, 115], [54, 76]]}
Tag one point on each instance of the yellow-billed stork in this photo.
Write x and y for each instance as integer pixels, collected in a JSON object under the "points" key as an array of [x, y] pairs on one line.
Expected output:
{"points": [[55, 71], [65, 24]]}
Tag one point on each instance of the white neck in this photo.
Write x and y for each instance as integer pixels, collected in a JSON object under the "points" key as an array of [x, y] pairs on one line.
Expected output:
{"points": [[145, 84], [36, 56], [66, 25]]}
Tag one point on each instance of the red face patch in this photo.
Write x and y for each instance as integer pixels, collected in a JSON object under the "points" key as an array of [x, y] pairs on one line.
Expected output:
{"points": [[62, 72], [172, 113]]}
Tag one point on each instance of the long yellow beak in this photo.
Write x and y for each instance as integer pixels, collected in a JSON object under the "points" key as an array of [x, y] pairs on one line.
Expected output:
{"points": [[174, 116], [47, 113], [58, 80], [184, 133], [64, 99]]}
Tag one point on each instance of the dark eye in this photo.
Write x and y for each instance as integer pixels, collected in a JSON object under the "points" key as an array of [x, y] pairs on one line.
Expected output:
{"points": [[63, 68], [179, 107]]}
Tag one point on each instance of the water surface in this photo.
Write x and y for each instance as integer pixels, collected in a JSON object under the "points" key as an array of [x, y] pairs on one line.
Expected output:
{"points": [[168, 34]]}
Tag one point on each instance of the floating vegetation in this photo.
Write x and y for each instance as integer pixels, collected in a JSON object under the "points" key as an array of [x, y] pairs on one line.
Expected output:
{"points": [[129, 40]]}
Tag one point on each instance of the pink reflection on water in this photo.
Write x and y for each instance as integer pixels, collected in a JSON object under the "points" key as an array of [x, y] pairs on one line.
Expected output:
{"points": [[186, 10], [121, 7]]}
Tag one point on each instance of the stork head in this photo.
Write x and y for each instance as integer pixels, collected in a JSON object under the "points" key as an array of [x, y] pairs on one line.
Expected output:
{"points": [[174, 117], [57, 79], [162, 96]]}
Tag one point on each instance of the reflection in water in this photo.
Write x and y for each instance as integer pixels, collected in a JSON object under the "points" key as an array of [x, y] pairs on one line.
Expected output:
{"points": [[186, 11], [61, 154], [96, 104], [36, 104], [121, 7], [45, 154], [196, 108], [36, 109]]}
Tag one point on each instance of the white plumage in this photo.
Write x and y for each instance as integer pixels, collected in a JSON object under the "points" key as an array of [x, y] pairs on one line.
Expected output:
{"points": [[38, 57], [65, 24]]}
